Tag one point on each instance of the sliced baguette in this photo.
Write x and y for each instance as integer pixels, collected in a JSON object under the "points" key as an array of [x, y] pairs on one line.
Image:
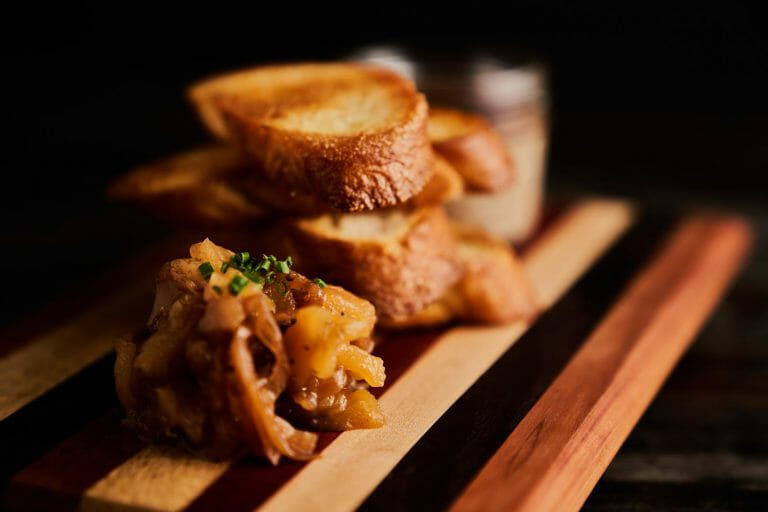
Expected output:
{"points": [[473, 147], [445, 184], [401, 261], [215, 185], [354, 135], [190, 188], [493, 290]]}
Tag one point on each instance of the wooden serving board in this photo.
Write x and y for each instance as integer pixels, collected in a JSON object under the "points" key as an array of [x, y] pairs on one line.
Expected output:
{"points": [[516, 417]]}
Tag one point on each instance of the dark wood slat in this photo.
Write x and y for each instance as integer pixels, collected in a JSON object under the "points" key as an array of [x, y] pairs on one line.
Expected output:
{"points": [[678, 496]]}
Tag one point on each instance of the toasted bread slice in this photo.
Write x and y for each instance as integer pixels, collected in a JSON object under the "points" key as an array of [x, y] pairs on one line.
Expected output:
{"points": [[445, 184], [191, 188], [494, 288], [216, 185], [474, 148], [399, 260], [354, 135]]}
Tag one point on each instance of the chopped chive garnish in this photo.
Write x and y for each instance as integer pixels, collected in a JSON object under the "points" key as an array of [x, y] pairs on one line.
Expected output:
{"points": [[319, 282], [206, 269], [259, 271], [253, 276], [237, 284], [241, 258], [217, 289]]}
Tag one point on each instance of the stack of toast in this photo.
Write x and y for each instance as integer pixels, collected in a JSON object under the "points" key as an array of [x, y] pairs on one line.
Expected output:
{"points": [[350, 169]]}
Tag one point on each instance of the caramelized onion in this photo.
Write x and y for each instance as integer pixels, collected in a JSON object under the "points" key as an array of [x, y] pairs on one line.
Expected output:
{"points": [[263, 428], [223, 345]]}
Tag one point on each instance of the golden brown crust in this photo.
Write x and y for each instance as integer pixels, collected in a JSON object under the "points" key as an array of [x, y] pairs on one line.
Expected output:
{"points": [[474, 148], [493, 290], [399, 269], [284, 118], [444, 184], [190, 188], [215, 185]]}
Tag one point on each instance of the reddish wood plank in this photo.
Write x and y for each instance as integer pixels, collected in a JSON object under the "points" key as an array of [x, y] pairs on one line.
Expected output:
{"points": [[555, 456]]}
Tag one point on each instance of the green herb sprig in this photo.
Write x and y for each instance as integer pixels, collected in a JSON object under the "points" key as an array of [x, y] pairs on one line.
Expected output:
{"points": [[256, 270], [260, 271], [206, 269]]}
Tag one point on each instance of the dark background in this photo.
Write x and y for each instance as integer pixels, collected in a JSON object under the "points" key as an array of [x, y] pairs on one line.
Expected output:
{"points": [[660, 102], [664, 103], [646, 98]]}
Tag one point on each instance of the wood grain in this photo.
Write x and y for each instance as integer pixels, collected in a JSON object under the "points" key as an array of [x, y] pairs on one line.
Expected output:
{"points": [[556, 454], [156, 478]]}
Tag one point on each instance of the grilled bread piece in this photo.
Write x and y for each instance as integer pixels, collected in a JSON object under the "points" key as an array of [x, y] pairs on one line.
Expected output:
{"points": [[354, 135], [401, 261], [216, 185], [473, 147], [444, 184], [494, 288], [191, 188]]}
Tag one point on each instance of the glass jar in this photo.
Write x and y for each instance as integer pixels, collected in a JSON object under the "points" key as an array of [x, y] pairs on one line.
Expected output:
{"points": [[512, 95]]}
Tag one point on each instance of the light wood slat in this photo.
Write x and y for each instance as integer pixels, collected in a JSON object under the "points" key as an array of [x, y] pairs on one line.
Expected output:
{"points": [[555, 456], [46, 361], [361, 459], [156, 478], [562, 253]]}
